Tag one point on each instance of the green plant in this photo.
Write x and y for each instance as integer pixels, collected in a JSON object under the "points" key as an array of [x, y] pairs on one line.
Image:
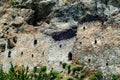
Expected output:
{"points": [[115, 77], [25, 74], [75, 68], [35, 69], [55, 75], [96, 76], [2, 74], [64, 65], [43, 69], [69, 68], [69, 78]]}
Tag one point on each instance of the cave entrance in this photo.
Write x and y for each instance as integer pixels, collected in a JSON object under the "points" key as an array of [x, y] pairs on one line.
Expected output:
{"points": [[64, 35], [70, 56]]}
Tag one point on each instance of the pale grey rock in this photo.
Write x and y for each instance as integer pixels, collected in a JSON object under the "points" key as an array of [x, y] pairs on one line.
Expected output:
{"points": [[96, 49], [27, 14], [47, 42], [111, 10]]}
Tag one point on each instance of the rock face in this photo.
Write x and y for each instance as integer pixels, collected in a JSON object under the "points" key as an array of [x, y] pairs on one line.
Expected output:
{"points": [[98, 48], [48, 32]]}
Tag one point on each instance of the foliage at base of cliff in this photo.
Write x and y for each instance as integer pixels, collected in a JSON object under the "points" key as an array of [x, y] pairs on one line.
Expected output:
{"points": [[70, 72]]}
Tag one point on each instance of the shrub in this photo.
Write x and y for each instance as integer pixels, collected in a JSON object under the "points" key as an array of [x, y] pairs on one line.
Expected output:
{"points": [[96, 76], [115, 77], [79, 74], [43, 69], [64, 65]]}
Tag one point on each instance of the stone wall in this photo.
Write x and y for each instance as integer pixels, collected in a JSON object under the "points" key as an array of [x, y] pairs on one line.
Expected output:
{"points": [[37, 50], [98, 48], [83, 29]]}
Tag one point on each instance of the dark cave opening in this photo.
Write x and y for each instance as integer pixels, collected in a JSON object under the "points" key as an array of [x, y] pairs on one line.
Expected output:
{"points": [[64, 35], [43, 54], [21, 53], [84, 28], [70, 56], [95, 42], [90, 18], [89, 60], [10, 45], [60, 46], [15, 39], [80, 42], [9, 54], [106, 64], [35, 42], [32, 55]]}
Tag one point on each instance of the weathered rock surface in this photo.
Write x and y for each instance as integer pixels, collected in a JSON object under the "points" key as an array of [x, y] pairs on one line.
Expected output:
{"points": [[45, 32], [98, 48]]}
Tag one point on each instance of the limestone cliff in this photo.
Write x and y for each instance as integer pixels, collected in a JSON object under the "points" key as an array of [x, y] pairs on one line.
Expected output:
{"points": [[48, 32]]}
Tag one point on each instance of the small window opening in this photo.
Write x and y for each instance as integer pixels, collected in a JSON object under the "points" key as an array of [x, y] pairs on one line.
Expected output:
{"points": [[84, 28], [60, 45], [35, 42], [21, 53], [10, 45], [106, 64], [80, 42], [5, 23], [32, 55], [43, 54], [15, 39], [70, 56], [89, 60], [9, 54], [95, 41], [60, 62]]}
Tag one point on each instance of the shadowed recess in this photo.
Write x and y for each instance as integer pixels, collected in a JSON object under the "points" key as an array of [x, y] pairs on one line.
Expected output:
{"points": [[9, 54], [64, 35], [35, 42], [70, 56], [90, 18], [2, 47], [10, 45]]}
